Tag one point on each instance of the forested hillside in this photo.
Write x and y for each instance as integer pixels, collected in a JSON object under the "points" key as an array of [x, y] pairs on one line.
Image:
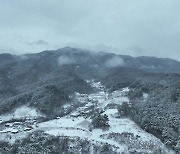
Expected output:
{"points": [[51, 79]]}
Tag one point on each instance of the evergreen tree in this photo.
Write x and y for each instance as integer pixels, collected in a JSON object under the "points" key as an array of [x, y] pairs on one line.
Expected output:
{"points": [[101, 121], [106, 149], [124, 109]]}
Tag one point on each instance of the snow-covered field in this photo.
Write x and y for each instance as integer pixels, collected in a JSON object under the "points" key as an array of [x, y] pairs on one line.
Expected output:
{"points": [[73, 127]]}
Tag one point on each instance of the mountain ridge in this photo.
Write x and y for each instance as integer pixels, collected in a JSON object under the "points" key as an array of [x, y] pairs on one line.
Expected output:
{"points": [[80, 56]]}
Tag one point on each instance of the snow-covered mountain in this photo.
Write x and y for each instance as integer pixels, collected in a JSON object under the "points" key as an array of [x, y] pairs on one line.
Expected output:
{"points": [[60, 95]]}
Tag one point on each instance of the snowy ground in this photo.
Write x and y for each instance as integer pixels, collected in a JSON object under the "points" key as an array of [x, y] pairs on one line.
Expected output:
{"points": [[72, 127], [19, 113], [14, 125], [76, 125]]}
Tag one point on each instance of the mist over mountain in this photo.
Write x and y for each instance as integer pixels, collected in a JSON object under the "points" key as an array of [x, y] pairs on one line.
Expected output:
{"points": [[48, 80], [67, 68], [89, 77], [57, 59]]}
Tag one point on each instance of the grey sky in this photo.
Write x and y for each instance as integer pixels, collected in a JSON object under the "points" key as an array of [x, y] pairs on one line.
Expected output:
{"points": [[135, 27]]}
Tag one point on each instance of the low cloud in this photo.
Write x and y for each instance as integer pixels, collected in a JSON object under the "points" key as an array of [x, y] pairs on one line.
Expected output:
{"points": [[38, 43], [64, 60], [41, 42], [115, 62], [138, 28]]}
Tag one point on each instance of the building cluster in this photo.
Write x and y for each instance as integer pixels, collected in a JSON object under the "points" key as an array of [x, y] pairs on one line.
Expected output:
{"points": [[17, 126]]}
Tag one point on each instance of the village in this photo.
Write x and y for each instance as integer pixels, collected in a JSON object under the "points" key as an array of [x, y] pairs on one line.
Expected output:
{"points": [[17, 124], [25, 120]]}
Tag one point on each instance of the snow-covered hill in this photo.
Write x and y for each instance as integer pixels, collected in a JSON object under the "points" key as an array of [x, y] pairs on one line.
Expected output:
{"points": [[123, 135]]}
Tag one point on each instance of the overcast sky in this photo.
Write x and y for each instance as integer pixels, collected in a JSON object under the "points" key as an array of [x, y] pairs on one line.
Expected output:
{"points": [[135, 27]]}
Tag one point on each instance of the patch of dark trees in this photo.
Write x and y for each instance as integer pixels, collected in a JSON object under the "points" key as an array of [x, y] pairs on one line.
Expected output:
{"points": [[39, 142], [158, 114]]}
